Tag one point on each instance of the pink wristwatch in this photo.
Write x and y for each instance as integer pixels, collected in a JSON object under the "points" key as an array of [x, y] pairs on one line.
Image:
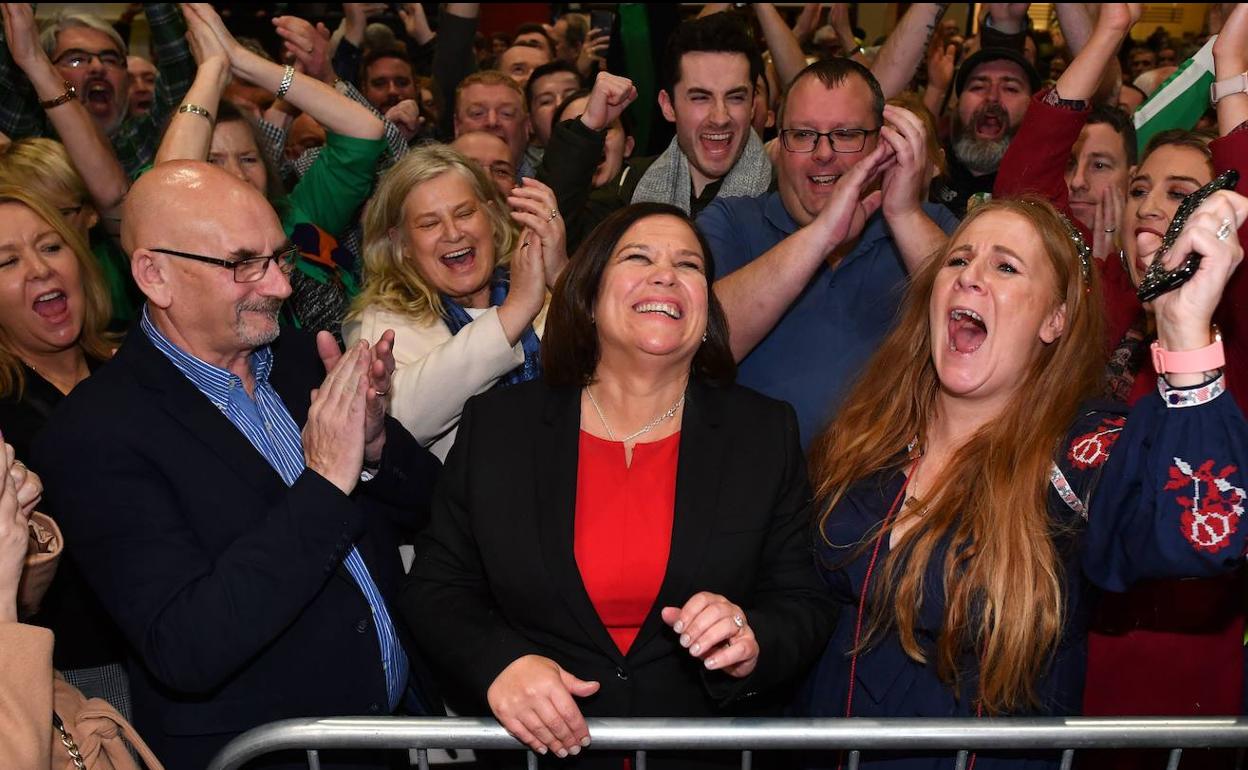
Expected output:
{"points": [[1204, 359]]}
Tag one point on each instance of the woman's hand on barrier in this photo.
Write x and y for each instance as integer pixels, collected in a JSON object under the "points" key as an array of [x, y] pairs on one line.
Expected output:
{"points": [[715, 631], [535, 207], [533, 699]]}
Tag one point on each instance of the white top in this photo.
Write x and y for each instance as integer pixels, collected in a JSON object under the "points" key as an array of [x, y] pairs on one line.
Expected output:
{"points": [[437, 372]]}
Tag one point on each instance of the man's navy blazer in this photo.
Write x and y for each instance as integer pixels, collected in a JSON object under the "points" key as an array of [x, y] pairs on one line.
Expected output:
{"points": [[228, 584]]}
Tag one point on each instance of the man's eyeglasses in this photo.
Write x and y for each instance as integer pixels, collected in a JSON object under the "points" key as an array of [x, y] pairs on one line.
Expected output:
{"points": [[841, 139], [76, 58], [247, 269]]}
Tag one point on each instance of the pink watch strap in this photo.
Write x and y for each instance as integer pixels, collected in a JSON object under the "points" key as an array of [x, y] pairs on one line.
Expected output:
{"points": [[1204, 359]]}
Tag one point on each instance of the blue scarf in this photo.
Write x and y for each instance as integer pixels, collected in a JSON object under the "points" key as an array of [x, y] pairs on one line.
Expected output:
{"points": [[457, 318]]}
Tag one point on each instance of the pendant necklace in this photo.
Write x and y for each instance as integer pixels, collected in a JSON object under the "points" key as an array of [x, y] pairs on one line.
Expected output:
{"points": [[641, 431]]}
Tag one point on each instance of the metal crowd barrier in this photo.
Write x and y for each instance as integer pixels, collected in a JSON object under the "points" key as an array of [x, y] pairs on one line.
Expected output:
{"points": [[958, 736]]}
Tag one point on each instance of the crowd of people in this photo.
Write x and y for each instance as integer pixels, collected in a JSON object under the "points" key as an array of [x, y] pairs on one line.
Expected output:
{"points": [[621, 364]]}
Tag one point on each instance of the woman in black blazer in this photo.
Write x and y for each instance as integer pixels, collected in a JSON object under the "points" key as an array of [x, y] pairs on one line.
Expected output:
{"points": [[635, 344]]}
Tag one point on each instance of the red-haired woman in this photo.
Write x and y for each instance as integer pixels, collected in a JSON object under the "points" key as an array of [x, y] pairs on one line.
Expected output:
{"points": [[968, 486]]}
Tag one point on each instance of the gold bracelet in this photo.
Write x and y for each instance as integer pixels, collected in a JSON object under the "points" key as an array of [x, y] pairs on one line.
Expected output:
{"points": [[70, 93], [195, 109]]}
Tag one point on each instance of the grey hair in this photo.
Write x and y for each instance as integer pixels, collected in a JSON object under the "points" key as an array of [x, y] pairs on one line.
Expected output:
{"points": [[70, 20]]}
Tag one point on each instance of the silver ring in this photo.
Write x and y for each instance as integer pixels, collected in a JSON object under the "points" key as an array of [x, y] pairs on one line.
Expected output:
{"points": [[381, 392], [553, 213], [524, 245], [740, 621], [1224, 232], [1111, 229]]}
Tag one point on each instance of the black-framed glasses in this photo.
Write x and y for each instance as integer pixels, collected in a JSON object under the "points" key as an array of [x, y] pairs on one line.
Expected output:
{"points": [[841, 139], [76, 58], [247, 269]]}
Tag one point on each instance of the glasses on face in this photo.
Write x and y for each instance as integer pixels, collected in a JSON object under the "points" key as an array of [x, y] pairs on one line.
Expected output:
{"points": [[76, 58], [841, 139], [247, 269]]}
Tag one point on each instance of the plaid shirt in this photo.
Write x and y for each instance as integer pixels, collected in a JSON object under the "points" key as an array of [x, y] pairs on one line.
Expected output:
{"points": [[136, 139]]}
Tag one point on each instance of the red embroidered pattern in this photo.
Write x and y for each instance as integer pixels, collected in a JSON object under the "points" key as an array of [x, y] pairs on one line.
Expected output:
{"points": [[1211, 514], [1092, 449]]}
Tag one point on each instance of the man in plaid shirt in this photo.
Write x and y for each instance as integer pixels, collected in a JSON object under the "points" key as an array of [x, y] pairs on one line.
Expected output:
{"points": [[94, 62]]}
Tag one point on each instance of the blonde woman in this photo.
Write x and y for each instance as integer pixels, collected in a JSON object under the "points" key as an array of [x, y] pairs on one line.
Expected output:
{"points": [[463, 288], [53, 312], [44, 167]]}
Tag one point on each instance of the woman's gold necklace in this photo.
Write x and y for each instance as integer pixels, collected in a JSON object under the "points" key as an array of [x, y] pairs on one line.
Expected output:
{"points": [[644, 429]]}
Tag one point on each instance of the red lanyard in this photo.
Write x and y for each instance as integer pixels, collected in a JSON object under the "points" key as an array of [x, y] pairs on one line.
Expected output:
{"points": [[862, 598]]}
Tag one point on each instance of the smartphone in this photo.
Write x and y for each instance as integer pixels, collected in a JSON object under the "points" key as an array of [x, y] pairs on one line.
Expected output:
{"points": [[603, 20]]}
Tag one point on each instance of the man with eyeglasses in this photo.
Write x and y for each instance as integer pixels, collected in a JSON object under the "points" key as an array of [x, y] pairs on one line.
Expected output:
{"points": [[89, 64], [236, 508], [813, 273]]}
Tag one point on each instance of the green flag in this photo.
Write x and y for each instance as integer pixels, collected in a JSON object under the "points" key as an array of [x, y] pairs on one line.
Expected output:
{"points": [[1180, 101]]}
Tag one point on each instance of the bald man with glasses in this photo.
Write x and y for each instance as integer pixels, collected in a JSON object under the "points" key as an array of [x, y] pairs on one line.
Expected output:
{"points": [[236, 496]]}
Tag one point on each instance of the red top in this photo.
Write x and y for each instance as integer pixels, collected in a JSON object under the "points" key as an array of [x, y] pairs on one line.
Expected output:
{"points": [[624, 528]]}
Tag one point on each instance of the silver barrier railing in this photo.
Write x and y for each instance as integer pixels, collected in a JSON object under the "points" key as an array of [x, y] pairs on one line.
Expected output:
{"points": [[958, 736]]}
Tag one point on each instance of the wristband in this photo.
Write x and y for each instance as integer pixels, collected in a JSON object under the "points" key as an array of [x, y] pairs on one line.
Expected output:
{"points": [[288, 77], [1236, 84], [1206, 359], [195, 109], [70, 93]]}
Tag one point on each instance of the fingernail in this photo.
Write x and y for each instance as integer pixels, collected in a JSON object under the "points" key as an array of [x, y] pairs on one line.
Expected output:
{"points": [[542, 751], [695, 649], [684, 640], [561, 753], [574, 750], [710, 663], [585, 741], [680, 626]]}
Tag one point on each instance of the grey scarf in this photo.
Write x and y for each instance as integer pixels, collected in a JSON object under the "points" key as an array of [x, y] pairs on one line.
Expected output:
{"points": [[668, 180]]}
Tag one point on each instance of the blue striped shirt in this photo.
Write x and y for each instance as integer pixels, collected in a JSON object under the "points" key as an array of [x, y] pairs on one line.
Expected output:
{"points": [[267, 424]]}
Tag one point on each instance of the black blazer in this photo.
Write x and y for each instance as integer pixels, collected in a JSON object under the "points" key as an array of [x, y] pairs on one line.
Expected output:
{"points": [[495, 576], [227, 584]]}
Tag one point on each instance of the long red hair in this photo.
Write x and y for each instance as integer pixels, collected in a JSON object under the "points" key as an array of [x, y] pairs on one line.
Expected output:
{"points": [[1002, 576]]}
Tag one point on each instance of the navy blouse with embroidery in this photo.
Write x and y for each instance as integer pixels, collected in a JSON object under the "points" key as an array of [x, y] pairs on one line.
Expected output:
{"points": [[1156, 493]]}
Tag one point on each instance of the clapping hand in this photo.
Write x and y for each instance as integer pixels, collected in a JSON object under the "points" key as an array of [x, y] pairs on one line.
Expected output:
{"points": [[334, 435], [847, 211], [906, 179], [535, 208], [308, 45]]}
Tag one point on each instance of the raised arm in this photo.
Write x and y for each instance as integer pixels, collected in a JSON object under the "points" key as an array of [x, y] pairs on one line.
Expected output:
{"points": [[189, 135], [1230, 58], [786, 51], [906, 46], [1081, 78], [453, 58], [88, 148], [325, 105]]}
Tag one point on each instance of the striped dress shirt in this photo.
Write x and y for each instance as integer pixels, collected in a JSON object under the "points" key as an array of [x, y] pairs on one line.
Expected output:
{"points": [[267, 424]]}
